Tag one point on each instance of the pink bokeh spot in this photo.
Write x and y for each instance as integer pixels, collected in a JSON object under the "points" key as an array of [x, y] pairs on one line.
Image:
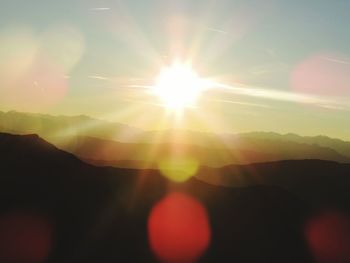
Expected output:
{"points": [[41, 86], [25, 238], [179, 229], [322, 75], [328, 236]]}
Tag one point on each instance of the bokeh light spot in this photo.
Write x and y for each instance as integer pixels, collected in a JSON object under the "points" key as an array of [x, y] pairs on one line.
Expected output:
{"points": [[25, 238], [179, 229], [18, 50], [328, 237], [178, 168], [64, 46], [30, 79], [322, 75]]}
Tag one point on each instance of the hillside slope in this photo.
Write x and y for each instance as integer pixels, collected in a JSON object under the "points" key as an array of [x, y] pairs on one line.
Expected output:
{"points": [[100, 214]]}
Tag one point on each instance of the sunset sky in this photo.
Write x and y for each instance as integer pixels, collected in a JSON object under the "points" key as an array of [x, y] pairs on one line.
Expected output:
{"points": [[275, 65]]}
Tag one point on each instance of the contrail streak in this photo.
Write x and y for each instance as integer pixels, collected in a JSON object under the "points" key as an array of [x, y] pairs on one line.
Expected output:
{"points": [[217, 30], [100, 9], [242, 90], [341, 61], [99, 77], [242, 103], [281, 96]]}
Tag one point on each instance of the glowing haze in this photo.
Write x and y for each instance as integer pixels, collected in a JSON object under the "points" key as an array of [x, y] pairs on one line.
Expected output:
{"points": [[227, 66]]}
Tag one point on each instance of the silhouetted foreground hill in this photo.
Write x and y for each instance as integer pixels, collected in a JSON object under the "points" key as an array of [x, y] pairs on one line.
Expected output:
{"points": [[321, 183], [100, 214]]}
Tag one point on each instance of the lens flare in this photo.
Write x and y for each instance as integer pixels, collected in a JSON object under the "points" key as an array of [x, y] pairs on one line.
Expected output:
{"points": [[179, 229], [64, 46], [25, 237], [29, 79], [18, 51], [328, 237], [178, 169], [322, 75]]}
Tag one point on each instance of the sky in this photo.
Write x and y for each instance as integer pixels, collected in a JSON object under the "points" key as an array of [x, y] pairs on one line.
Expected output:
{"points": [[279, 65]]}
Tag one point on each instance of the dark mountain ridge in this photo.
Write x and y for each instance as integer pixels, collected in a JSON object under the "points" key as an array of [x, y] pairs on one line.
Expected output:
{"points": [[100, 214], [119, 145], [320, 183]]}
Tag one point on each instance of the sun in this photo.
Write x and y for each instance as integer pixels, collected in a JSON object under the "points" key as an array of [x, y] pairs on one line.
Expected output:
{"points": [[178, 86]]}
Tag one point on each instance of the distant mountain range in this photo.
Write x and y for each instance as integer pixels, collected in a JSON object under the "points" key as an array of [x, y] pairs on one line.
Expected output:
{"points": [[112, 144], [100, 214], [341, 146], [146, 155], [48, 126]]}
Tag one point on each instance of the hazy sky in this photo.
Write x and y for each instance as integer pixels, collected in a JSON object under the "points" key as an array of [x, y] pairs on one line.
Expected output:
{"points": [[282, 66]]}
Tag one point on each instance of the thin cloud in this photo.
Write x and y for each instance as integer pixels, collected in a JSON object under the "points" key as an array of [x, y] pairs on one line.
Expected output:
{"points": [[217, 30], [336, 60], [144, 102], [243, 90], [99, 78], [243, 103], [337, 107], [269, 68], [140, 86], [281, 96], [100, 9]]}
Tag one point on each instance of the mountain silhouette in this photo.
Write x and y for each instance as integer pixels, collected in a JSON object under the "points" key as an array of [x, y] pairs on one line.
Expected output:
{"points": [[48, 126], [112, 153], [100, 214], [112, 144], [319, 183], [341, 146], [139, 155]]}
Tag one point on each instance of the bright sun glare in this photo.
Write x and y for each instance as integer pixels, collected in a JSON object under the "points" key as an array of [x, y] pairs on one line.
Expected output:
{"points": [[178, 86]]}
